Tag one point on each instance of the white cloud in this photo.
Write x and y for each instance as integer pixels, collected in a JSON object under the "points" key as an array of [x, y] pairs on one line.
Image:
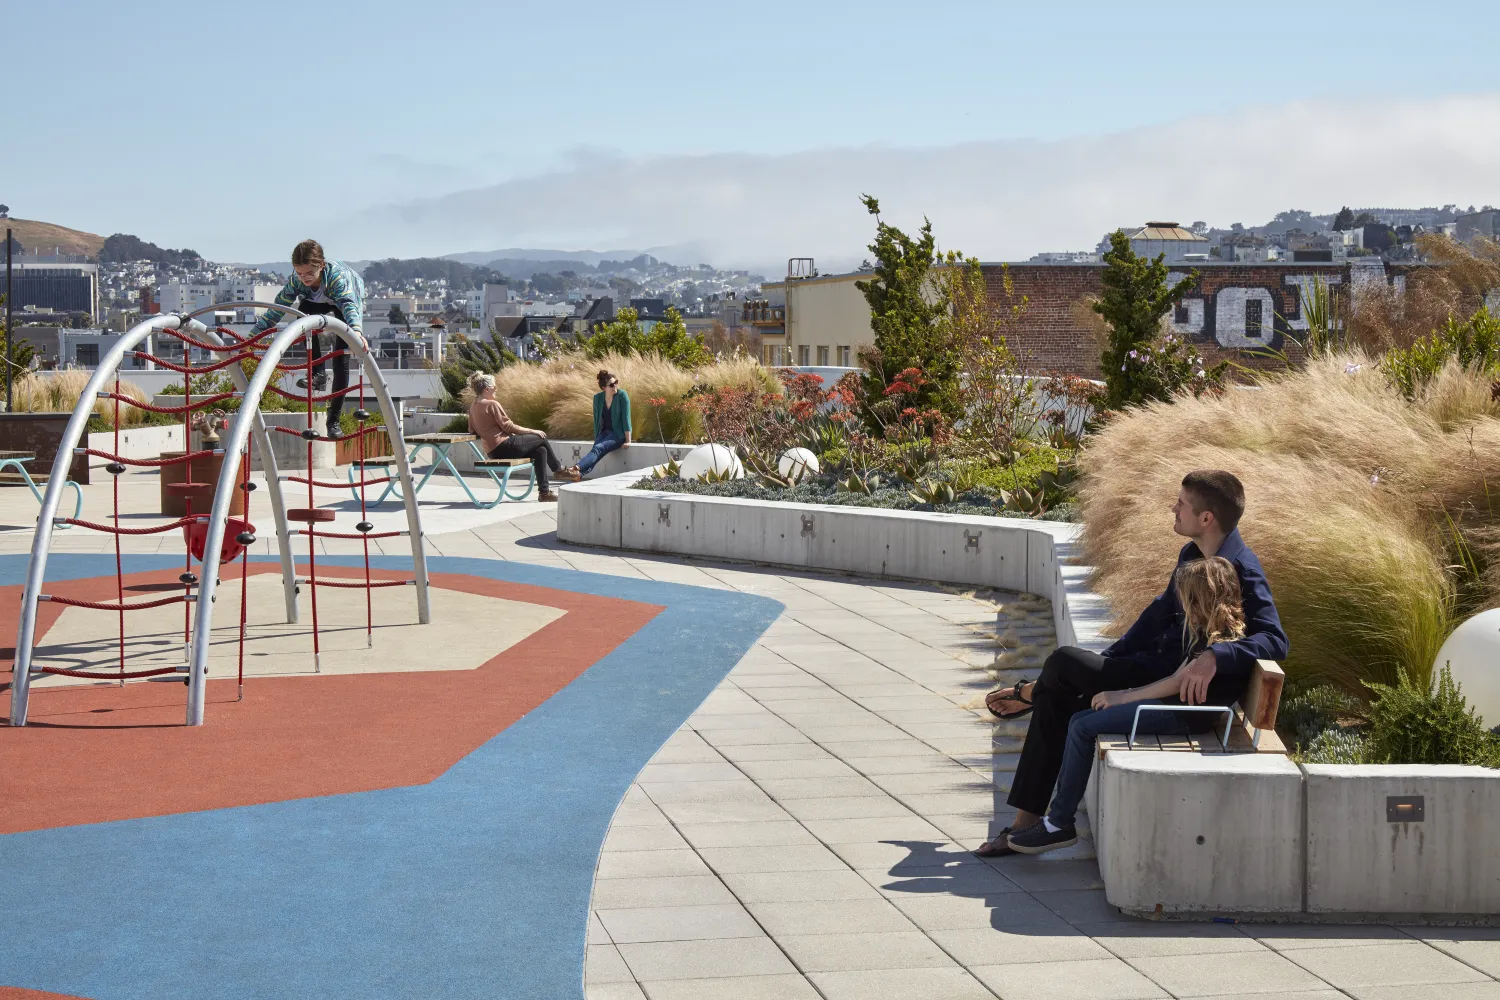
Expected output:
{"points": [[997, 200]]}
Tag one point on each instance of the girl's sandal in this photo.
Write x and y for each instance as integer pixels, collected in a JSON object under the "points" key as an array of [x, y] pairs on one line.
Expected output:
{"points": [[996, 701]]}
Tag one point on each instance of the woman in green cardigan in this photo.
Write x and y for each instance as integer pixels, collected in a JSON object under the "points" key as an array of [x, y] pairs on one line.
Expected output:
{"points": [[611, 421]]}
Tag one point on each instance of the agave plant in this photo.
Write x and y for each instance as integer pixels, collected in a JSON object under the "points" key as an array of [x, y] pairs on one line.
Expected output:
{"points": [[1023, 501], [933, 492], [915, 460], [767, 470], [864, 485], [823, 437]]}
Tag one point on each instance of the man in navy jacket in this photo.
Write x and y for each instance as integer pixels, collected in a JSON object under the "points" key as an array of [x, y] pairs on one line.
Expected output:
{"points": [[1207, 512]]}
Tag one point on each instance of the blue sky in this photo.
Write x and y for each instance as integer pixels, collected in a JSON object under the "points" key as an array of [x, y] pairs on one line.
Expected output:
{"points": [[236, 129]]}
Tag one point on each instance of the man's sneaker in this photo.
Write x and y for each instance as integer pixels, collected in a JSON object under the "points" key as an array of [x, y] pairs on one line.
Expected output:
{"points": [[320, 381], [1037, 839]]}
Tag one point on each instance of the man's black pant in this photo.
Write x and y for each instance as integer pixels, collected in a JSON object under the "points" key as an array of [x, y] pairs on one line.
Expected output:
{"points": [[1068, 682], [315, 345]]}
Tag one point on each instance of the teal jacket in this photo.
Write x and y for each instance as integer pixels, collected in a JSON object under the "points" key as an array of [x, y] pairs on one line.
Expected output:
{"points": [[341, 285], [619, 414]]}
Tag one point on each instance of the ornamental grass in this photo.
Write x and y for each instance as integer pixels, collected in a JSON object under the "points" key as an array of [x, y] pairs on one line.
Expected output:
{"points": [[558, 395], [59, 392], [1377, 519]]}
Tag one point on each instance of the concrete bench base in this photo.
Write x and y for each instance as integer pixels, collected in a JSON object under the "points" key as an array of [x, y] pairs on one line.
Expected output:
{"points": [[1195, 833], [1257, 837]]}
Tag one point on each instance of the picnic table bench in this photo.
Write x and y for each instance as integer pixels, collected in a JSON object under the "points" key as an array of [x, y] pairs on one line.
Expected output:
{"points": [[14, 463], [441, 444]]}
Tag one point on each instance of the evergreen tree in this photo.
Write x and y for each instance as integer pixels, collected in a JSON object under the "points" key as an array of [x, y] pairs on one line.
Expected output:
{"points": [[1344, 220], [910, 314], [1134, 302]]}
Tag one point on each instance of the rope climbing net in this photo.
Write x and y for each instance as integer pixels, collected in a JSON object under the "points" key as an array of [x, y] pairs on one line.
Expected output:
{"points": [[211, 536]]}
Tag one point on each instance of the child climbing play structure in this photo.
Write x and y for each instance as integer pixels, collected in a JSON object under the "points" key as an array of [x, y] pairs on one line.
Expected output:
{"points": [[255, 365]]}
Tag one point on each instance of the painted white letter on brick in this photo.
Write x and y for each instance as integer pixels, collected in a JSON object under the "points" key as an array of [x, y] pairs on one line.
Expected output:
{"points": [[1231, 307]]}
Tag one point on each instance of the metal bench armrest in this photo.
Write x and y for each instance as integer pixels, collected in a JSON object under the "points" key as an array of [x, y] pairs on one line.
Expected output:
{"points": [[1228, 710]]}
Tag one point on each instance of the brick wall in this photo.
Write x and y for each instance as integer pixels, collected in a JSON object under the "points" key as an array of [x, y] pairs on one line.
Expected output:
{"points": [[1231, 309]]}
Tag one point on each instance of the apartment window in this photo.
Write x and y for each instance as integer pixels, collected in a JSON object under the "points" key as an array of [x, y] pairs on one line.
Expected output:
{"points": [[87, 355], [1253, 309], [844, 357], [823, 357], [1180, 317], [804, 355]]}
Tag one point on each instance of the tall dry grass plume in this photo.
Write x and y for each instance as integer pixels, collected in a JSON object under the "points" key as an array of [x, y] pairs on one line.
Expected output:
{"points": [[558, 395], [1453, 283], [59, 392], [1377, 519]]}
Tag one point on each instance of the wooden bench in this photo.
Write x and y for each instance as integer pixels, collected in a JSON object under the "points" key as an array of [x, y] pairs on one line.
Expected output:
{"points": [[1252, 729]]}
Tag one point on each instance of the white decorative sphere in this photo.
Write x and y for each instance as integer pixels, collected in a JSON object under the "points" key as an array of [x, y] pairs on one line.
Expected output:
{"points": [[796, 463], [706, 458], [1473, 652]]}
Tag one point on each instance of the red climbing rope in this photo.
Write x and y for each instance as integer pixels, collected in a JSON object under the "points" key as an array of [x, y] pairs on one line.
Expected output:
{"points": [[195, 369], [312, 559], [122, 676], [325, 582], [119, 563], [292, 430], [117, 530], [350, 534], [203, 345], [333, 484], [205, 401], [364, 518], [121, 606], [311, 361], [325, 397], [149, 462], [244, 569]]}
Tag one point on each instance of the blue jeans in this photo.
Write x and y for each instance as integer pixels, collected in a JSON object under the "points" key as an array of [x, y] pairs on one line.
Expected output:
{"points": [[602, 447], [1078, 757]]}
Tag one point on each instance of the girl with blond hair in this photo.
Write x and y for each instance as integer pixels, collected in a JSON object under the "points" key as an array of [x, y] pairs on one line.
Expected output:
{"points": [[1209, 593]]}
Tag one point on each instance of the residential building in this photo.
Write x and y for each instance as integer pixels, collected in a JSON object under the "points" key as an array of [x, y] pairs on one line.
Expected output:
{"points": [[231, 293], [1484, 223], [1170, 240], [823, 317], [649, 312]]}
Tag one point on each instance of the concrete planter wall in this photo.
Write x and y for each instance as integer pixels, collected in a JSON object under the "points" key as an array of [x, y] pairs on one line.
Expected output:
{"points": [[1278, 840], [137, 442]]}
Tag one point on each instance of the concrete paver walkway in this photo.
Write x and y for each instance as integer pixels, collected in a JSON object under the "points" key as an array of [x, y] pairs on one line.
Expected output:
{"points": [[806, 833]]}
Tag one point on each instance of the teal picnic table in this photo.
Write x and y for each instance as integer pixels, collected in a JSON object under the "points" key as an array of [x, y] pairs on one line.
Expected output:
{"points": [[440, 445], [15, 461]]}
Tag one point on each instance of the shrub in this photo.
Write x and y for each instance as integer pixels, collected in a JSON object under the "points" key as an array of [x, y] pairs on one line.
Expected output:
{"points": [[1413, 722], [1474, 344], [668, 339]]}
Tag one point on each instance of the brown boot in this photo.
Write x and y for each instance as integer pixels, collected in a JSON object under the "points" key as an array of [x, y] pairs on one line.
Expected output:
{"points": [[546, 496]]}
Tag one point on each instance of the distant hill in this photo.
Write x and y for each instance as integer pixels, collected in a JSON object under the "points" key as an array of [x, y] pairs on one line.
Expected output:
{"points": [[122, 247], [590, 257], [46, 238]]}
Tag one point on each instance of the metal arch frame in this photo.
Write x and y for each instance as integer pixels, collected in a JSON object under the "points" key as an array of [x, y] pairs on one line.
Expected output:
{"points": [[41, 543], [234, 445]]}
